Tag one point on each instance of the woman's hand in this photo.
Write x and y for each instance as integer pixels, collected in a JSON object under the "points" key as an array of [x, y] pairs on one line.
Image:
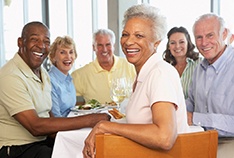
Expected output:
{"points": [[89, 148]]}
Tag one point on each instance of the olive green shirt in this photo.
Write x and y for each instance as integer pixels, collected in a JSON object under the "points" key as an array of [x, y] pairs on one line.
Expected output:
{"points": [[21, 90]]}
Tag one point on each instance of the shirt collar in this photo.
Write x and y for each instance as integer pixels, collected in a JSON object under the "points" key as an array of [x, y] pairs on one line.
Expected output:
{"points": [[59, 75], [220, 62], [189, 60], [98, 68], [24, 68], [149, 64]]}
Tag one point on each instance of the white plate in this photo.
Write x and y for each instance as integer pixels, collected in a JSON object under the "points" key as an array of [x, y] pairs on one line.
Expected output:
{"points": [[122, 120], [110, 107], [96, 110]]}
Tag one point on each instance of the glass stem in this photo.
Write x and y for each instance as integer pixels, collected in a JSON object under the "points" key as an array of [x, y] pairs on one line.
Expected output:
{"points": [[118, 106]]}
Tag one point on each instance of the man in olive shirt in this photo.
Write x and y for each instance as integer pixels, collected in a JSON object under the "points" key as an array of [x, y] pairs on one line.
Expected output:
{"points": [[25, 100]]}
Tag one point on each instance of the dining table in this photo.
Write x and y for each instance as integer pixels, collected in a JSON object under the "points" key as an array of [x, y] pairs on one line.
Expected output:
{"points": [[69, 144]]}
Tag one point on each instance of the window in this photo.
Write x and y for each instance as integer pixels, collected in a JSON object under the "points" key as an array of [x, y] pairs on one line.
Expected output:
{"points": [[12, 27], [227, 12], [82, 13], [80, 19], [87, 16], [58, 18], [181, 13], [34, 10]]}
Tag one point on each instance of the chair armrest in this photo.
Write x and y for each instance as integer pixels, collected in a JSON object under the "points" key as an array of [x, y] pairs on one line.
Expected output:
{"points": [[190, 145]]}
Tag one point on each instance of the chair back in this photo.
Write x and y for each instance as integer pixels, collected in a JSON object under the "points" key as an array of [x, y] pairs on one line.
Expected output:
{"points": [[190, 145]]}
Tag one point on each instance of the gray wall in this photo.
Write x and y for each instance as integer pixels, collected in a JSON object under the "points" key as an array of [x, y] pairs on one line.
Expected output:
{"points": [[116, 9]]}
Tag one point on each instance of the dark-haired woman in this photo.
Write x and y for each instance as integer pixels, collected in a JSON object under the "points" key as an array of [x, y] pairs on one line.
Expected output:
{"points": [[180, 53]]}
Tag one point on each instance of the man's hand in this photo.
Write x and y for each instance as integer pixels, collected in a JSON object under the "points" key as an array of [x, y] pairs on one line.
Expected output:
{"points": [[190, 118]]}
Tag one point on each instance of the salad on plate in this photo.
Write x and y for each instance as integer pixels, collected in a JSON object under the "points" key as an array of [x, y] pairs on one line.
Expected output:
{"points": [[92, 106]]}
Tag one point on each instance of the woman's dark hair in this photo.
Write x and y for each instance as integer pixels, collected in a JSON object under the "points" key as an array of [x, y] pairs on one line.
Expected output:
{"points": [[190, 50]]}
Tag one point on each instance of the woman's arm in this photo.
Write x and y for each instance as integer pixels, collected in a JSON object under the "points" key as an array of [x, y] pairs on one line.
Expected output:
{"points": [[162, 133]]}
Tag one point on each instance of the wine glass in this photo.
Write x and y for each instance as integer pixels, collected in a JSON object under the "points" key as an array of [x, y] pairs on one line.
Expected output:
{"points": [[118, 90], [129, 84]]}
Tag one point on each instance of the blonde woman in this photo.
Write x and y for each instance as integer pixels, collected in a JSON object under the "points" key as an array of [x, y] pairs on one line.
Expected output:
{"points": [[62, 56]]}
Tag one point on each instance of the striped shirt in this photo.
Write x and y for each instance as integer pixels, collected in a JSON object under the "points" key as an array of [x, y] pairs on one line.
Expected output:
{"points": [[187, 74]]}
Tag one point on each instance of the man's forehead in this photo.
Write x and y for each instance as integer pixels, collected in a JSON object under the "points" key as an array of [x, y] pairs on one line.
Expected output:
{"points": [[206, 28], [37, 31]]}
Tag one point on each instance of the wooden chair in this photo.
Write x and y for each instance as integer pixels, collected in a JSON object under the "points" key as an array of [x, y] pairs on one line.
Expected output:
{"points": [[189, 145]]}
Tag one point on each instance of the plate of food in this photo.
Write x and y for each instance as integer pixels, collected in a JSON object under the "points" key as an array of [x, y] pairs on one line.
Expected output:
{"points": [[86, 111], [111, 105], [93, 106], [117, 116]]}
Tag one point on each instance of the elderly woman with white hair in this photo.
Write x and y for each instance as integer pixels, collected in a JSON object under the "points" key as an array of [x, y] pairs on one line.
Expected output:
{"points": [[156, 110]]}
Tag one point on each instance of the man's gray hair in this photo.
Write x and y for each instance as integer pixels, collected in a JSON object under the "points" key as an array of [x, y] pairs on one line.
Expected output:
{"points": [[104, 32], [210, 16]]}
